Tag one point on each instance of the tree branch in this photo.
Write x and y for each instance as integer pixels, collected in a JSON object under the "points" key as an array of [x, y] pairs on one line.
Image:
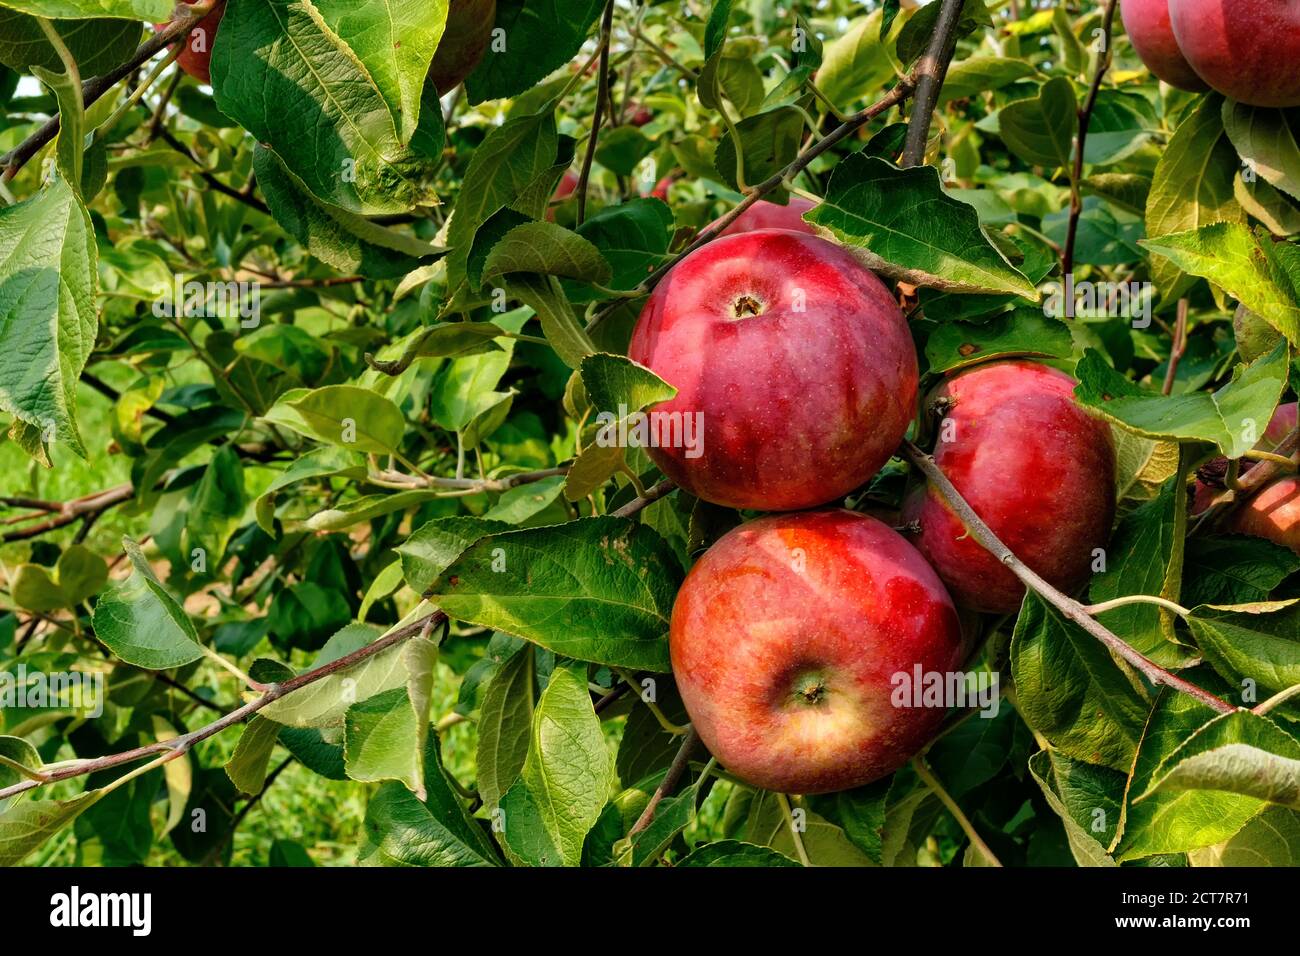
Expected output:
{"points": [[929, 75], [652, 494], [603, 102], [1085, 119], [96, 87], [178, 746], [1070, 608]]}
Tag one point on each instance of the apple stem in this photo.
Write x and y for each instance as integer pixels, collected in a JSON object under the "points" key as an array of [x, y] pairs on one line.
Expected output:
{"points": [[784, 801], [1281, 697], [1070, 608], [930, 780]]}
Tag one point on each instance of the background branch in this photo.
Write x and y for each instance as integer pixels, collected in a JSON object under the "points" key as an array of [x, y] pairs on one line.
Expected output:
{"points": [[929, 75]]}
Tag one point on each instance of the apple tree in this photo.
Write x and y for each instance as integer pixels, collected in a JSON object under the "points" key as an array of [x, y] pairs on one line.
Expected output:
{"points": [[329, 528]]}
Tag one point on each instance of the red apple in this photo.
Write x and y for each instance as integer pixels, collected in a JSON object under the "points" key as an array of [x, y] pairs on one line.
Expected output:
{"points": [[768, 215], [463, 43], [1035, 466], [1248, 50], [661, 188], [795, 361], [637, 115], [1273, 513], [563, 190], [786, 638], [1147, 24], [1280, 425], [196, 56]]}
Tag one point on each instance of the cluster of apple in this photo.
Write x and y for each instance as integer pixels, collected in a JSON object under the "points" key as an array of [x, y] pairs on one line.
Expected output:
{"points": [[464, 41], [788, 633], [1244, 49]]}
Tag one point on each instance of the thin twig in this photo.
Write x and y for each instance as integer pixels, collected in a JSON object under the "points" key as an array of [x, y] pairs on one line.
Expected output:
{"points": [[603, 103], [676, 770], [1177, 348], [652, 494], [930, 780], [177, 746]]}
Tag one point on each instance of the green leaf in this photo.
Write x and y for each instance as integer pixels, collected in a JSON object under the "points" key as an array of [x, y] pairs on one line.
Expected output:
{"points": [[1071, 690], [1175, 821], [281, 73], [824, 842], [351, 513], [400, 829], [633, 237], [1023, 331], [344, 240], [1088, 800], [381, 739], [566, 777], [597, 589], [248, 764], [141, 623], [504, 727], [153, 10], [97, 45], [1233, 417], [917, 31], [25, 827], [1266, 139], [1145, 556], [900, 223], [1041, 131], [1234, 569], [48, 321], [1259, 642], [1239, 753], [524, 501], [502, 170], [217, 505], [978, 74], [1270, 839], [547, 249], [16, 751], [323, 703], [857, 62], [1229, 255], [1192, 186], [353, 418], [560, 325], [436, 544], [615, 383], [622, 148], [768, 142], [395, 41], [735, 853], [539, 38]]}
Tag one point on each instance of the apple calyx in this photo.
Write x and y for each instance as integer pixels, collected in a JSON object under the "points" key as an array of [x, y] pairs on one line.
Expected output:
{"points": [[746, 306], [810, 689]]}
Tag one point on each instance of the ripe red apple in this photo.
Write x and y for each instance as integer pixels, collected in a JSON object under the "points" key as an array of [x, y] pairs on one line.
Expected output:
{"points": [[795, 361], [196, 56], [769, 215], [1273, 513], [463, 43], [1248, 50], [1035, 466], [1280, 425], [563, 190], [1147, 24], [786, 637]]}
